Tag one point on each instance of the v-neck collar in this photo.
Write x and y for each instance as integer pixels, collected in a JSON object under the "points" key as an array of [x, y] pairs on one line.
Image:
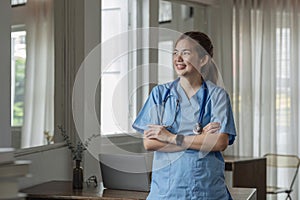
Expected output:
{"points": [[194, 100]]}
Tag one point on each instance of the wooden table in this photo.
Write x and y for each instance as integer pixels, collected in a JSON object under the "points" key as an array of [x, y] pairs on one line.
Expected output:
{"points": [[248, 172], [63, 190]]}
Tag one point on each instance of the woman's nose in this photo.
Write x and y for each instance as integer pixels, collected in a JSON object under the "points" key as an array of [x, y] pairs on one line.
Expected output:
{"points": [[178, 57]]}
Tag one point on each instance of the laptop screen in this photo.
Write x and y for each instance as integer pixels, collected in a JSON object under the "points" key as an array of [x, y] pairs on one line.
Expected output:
{"points": [[125, 171]]}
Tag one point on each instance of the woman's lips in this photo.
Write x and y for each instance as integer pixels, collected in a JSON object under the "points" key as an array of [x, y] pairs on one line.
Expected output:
{"points": [[180, 66]]}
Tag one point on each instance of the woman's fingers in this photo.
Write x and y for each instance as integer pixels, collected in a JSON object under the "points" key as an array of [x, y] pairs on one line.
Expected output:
{"points": [[212, 127], [157, 132], [148, 133], [213, 124], [157, 128], [151, 133], [212, 130]]}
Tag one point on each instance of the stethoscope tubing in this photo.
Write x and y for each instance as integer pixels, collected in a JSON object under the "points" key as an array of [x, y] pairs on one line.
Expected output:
{"points": [[167, 96]]}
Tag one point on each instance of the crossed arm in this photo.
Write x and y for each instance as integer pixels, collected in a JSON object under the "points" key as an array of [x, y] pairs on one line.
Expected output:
{"points": [[158, 138]]}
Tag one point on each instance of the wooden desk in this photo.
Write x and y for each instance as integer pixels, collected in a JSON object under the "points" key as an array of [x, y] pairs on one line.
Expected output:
{"points": [[248, 172], [63, 190]]}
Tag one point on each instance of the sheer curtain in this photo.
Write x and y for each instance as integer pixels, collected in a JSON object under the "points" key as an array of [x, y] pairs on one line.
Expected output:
{"points": [[266, 78], [39, 88]]}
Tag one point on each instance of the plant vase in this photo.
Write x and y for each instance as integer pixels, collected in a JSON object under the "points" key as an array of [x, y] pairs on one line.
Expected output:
{"points": [[78, 176]]}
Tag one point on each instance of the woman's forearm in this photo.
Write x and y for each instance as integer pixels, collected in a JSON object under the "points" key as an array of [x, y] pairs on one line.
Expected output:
{"points": [[203, 142], [206, 142], [158, 138], [156, 145]]}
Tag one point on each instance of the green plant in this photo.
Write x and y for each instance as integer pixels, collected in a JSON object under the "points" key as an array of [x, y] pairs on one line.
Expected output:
{"points": [[77, 149]]}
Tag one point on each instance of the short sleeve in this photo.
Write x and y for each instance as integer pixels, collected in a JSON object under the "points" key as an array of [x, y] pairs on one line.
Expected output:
{"points": [[149, 112], [221, 112]]}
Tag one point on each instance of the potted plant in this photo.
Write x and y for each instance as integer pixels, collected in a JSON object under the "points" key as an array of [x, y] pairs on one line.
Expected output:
{"points": [[77, 154]]}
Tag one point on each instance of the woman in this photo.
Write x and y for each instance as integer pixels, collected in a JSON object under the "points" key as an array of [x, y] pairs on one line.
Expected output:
{"points": [[187, 123]]}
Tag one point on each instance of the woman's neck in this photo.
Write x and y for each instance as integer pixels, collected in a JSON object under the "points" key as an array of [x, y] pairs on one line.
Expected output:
{"points": [[190, 86]]}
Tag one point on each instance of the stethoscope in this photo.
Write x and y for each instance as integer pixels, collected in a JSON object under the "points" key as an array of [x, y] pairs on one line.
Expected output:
{"points": [[198, 126]]}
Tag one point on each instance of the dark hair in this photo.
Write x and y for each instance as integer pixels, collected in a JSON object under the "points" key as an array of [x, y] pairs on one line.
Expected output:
{"points": [[200, 38]]}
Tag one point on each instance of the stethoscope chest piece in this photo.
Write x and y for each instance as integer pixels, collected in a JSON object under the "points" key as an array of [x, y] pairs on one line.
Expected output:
{"points": [[197, 128]]}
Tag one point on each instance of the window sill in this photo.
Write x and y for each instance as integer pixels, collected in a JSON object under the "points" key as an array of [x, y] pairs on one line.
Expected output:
{"points": [[112, 135], [38, 149]]}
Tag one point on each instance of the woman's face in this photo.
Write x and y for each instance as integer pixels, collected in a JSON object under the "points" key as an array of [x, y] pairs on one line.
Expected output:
{"points": [[186, 59]]}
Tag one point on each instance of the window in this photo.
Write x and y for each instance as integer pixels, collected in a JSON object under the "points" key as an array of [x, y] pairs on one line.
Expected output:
{"points": [[120, 97], [121, 92], [18, 2], [165, 11], [18, 66], [283, 85], [166, 72], [265, 76], [114, 84], [32, 73]]}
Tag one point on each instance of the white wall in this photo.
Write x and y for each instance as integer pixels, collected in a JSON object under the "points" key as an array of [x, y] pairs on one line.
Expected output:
{"points": [[5, 21], [54, 162], [46, 165]]}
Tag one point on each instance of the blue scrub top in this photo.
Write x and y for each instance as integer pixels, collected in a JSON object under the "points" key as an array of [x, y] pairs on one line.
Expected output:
{"points": [[188, 174]]}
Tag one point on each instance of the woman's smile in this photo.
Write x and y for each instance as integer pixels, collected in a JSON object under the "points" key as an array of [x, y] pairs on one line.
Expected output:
{"points": [[180, 66]]}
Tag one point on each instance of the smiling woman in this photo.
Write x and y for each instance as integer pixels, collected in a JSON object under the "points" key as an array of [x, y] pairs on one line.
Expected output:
{"points": [[203, 126]]}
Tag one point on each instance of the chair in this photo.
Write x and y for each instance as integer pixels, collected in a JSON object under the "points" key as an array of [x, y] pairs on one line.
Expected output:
{"points": [[279, 161]]}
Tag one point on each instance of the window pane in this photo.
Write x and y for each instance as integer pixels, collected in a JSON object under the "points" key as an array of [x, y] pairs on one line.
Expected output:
{"points": [[18, 65], [18, 2], [114, 84], [165, 11], [165, 60], [283, 86]]}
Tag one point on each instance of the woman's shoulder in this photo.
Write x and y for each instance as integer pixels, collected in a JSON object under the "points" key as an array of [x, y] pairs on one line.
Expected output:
{"points": [[215, 89], [163, 87]]}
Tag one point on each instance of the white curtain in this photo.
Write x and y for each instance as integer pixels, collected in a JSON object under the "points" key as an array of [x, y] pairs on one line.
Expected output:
{"points": [[266, 78], [39, 83]]}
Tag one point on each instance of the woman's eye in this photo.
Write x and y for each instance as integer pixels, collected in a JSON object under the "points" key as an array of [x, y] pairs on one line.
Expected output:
{"points": [[175, 53], [186, 53]]}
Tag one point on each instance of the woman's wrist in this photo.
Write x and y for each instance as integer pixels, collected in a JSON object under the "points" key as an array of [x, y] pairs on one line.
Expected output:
{"points": [[172, 139], [179, 139], [176, 139]]}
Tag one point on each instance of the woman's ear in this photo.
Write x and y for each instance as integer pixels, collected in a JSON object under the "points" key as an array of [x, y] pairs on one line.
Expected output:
{"points": [[204, 60]]}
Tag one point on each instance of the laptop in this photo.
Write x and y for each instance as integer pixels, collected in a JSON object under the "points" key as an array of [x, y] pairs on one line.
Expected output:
{"points": [[125, 171]]}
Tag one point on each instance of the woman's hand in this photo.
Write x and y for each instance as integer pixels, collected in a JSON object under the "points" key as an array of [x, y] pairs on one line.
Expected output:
{"points": [[212, 127], [160, 133]]}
